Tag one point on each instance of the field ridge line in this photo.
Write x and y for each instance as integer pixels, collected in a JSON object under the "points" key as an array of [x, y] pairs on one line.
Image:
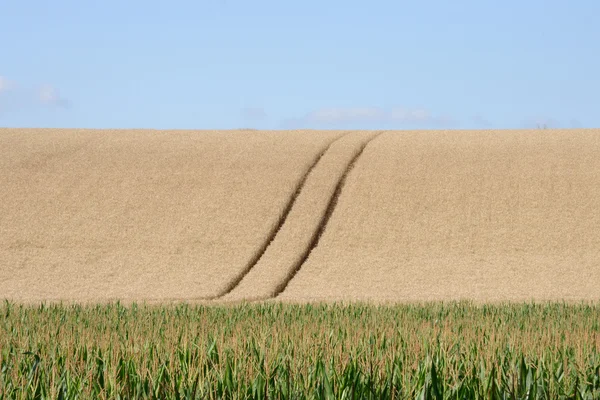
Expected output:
{"points": [[277, 227], [324, 221]]}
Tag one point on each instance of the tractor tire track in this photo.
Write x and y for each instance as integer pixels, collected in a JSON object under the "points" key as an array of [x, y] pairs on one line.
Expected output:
{"points": [[277, 227], [299, 234], [330, 208]]}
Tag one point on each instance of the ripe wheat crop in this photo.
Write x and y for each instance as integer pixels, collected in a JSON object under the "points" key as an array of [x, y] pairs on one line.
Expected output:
{"points": [[450, 215], [299, 231], [394, 216], [99, 215]]}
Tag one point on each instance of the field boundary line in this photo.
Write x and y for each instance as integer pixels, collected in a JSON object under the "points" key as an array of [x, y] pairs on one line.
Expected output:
{"points": [[277, 227], [325, 220]]}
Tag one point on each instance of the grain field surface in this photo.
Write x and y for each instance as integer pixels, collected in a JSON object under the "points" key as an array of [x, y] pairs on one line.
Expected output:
{"points": [[221, 216], [293, 241], [98, 215], [448, 215]]}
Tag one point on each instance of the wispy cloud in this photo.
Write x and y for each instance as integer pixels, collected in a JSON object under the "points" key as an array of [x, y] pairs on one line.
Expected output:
{"points": [[5, 84], [334, 115], [14, 97], [549, 122], [370, 116], [540, 122], [49, 95], [254, 113], [419, 116], [481, 122]]}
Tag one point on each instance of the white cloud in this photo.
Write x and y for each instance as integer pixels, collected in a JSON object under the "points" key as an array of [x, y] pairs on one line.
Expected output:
{"points": [[370, 115], [333, 115], [48, 94], [15, 97]]}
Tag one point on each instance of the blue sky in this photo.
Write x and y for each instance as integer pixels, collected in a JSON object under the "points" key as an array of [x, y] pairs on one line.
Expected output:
{"points": [[212, 64]]}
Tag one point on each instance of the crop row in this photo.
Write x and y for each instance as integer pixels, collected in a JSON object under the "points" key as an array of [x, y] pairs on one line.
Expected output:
{"points": [[433, 351]]}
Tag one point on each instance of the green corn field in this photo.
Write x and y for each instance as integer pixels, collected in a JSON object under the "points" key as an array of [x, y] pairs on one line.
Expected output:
{"points": [[284, 351]]}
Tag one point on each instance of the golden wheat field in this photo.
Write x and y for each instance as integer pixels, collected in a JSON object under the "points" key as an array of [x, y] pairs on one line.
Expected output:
{"points": [[218, 216]]}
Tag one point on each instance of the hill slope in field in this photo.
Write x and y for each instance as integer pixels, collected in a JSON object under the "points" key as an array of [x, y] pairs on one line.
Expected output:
{"points": [[140, 214], [97, 215], [487, 216]]}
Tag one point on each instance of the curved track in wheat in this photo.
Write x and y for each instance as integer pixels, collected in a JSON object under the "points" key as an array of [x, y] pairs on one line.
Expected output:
{"points": [[99, 215], [301, 231], [476, 215], [143, 215]]}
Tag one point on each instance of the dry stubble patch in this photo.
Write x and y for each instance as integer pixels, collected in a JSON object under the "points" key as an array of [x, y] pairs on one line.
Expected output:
{"points": [[98, 215]]}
